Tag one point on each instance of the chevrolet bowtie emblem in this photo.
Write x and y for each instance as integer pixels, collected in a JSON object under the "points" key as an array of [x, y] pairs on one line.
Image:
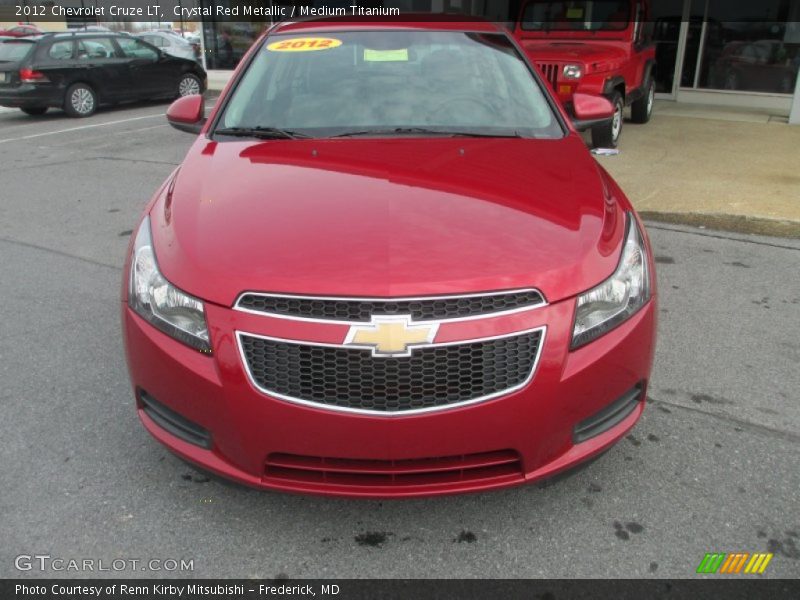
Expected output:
{"points": [[391, 336]]}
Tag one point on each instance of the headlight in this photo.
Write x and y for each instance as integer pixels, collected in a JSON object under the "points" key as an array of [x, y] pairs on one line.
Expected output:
{"points": [[159, 302], [572, 71], [619, 297]]}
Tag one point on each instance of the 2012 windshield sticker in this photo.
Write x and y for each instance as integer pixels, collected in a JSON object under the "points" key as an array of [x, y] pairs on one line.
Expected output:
{"points": [[304, 44]]}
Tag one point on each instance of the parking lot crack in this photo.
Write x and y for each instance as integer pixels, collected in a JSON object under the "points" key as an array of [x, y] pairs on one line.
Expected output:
{"points": [[748, 425], [719, 236], [135, 160], [90, 261]]}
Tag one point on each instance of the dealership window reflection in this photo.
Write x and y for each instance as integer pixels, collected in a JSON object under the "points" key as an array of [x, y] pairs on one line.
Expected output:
{"points": [[749, 46]]}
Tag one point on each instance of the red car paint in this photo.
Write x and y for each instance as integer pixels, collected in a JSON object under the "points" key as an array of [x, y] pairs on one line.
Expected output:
{"points": [[21, 30], [612, 61], [388, 218]]}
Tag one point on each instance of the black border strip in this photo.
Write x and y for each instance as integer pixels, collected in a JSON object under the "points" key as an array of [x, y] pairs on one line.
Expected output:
{"points": [[740, 587]]}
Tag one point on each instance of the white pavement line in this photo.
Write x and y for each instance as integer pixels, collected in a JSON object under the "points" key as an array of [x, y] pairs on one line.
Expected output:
{"points": [[105, 136], [37, 135]]}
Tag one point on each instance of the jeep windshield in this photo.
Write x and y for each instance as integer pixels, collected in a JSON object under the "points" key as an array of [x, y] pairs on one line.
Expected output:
{"points": [[387, 84], [576, 15]]}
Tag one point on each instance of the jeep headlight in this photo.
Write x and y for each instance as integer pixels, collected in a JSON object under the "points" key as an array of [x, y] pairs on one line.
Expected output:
{"points": [[572, 71], [156, 300], [619, 297]]}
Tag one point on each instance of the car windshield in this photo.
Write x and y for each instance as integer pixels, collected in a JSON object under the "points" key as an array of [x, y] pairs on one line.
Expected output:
{"points": [[576, 15], [389, 83], [14, 50]]}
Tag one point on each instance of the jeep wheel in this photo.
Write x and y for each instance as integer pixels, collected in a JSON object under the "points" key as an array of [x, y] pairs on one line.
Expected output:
{"points": [[607, 135], [80, 101], [34, 111], [642, 109]]}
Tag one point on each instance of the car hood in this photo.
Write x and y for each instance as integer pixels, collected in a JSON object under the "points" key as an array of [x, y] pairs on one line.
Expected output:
{"points": [[387, 217], [565, 51]]}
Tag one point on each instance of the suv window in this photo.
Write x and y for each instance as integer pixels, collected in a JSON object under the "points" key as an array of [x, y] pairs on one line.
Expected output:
{"points": [[61, 50], [95, 48], [133, 48], [14, 50], [155, 40]]}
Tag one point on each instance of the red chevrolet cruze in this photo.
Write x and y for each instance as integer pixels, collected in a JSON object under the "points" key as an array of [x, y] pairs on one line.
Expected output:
{"points": [[388, 266]]}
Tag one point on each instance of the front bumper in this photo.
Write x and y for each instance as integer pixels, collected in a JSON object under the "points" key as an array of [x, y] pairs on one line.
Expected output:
{"points": [[270, 443]]}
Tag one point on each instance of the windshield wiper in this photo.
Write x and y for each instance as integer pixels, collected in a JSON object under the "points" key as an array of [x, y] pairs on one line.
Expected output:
{"points": [[508, 134], [425, 131], [395, 130], [264, 133]]}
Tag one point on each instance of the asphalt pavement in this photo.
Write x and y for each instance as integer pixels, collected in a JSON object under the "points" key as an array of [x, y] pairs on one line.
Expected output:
{"points": [[711, 467]]}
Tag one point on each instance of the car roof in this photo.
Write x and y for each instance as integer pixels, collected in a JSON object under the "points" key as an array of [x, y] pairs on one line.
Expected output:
{"points": [[422, 22]]}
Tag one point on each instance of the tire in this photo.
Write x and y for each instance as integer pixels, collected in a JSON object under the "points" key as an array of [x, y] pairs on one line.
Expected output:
{"points": [[189, 85], [80, 101], [607, 135], [642, 109], [34, 111]]}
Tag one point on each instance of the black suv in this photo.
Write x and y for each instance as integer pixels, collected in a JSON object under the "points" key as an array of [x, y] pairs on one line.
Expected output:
{"points": [[79, 71]]}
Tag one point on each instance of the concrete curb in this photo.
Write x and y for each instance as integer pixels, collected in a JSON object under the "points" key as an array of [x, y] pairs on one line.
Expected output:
{"points": [[731, 223]]}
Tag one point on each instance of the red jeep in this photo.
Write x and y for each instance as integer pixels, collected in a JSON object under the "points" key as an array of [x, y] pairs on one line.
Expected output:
{"points": [[593, 47]]}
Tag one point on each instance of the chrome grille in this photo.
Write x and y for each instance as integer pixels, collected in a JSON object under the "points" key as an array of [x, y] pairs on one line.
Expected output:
{"points": [[431, 378], [361, 310]]}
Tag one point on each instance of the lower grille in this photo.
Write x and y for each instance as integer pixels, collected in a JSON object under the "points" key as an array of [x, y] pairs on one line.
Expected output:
{"points": [[611, 416], [550, 72], [174, 423], [353, 379], [502, 465]]}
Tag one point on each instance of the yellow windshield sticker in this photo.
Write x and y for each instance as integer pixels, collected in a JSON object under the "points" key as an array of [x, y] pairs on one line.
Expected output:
{"points": [[385, 55], [308, 44], [574, 13]]}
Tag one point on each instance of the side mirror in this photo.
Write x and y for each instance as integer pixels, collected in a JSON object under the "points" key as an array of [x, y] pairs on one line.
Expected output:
{"points": [[187, 114], [590, 111]]}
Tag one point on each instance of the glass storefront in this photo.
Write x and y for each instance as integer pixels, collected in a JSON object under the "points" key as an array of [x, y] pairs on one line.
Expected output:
{"points": [[701, 45], [665, 29], [749, 46], [733, 45], [225, 42]]}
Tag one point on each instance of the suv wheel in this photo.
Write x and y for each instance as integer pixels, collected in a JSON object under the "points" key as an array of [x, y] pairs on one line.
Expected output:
{"points": [[189, 85], [607, 135], [80, 101], [642, 109], [34, 111]]}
